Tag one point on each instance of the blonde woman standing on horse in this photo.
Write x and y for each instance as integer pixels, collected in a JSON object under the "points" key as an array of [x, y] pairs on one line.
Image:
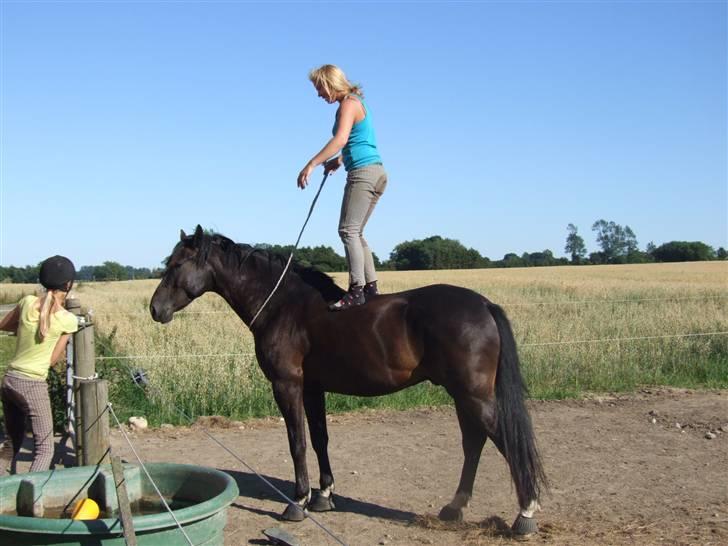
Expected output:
{"points": [[43, 326], [353, 135]]}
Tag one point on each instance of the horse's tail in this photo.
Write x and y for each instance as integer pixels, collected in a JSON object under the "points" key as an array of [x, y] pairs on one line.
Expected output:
{"points": [[514, 423]]}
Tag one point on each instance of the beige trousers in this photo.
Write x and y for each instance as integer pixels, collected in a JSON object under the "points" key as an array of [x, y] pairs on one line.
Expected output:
{"points": [[364, 187]]}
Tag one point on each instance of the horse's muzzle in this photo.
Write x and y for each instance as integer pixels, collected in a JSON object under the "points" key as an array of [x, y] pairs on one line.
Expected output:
{"points": [[159, 315]]}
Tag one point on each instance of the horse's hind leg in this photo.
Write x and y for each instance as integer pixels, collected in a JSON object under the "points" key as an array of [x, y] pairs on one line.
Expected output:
{"points": [[314, 402], [524, 524], [476, 417]]}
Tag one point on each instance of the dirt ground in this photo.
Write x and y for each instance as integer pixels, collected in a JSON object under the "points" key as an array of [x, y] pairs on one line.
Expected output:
{"points": [[616, 476]]}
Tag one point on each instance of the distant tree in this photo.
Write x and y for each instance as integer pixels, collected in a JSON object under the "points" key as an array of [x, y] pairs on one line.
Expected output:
{"points": [[721, 253], [512, 260], [375, 259], [541, 259], [138, 272], [324, 258], [385, 265], [435, 253], [616, 241], [639, 257], [86, 273], [683, 251], [574, 245], [25, 275], [597, 258], [110, 271], [411, 255]]}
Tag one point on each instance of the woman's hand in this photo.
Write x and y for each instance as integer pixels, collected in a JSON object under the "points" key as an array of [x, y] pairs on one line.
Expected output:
{"points": [[304, 175], [332, 164]]}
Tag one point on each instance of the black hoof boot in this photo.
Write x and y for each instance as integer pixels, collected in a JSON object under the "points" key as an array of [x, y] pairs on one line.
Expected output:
{"points": [[448, 513], [293, 512], [524, 526], [319, 503]]}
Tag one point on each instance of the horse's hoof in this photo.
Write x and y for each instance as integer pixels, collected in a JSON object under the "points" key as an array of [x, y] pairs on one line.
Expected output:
{"points": [[524, 526], [319, 503], [293, 512], [448, 513]]}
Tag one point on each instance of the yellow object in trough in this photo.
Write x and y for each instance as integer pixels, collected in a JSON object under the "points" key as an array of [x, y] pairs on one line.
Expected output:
{"points": [[85, 509]]}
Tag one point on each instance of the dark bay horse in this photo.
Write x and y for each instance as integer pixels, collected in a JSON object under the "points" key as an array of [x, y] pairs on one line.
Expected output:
{"points": [[448, 335]]}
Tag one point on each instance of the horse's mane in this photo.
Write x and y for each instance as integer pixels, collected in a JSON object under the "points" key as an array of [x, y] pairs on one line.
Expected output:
{"points": [[237, 255]]}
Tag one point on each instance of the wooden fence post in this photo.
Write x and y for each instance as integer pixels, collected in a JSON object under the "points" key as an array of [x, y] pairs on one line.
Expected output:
{"points": [[95, 422], [91, 396]]}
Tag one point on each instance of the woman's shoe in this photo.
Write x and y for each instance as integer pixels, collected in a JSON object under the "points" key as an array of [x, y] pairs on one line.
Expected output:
{"points": [[353, 298], [370, 290]]}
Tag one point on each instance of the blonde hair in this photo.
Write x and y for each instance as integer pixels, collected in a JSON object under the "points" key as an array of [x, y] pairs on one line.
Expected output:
{"points": [[49, 304], [332, 80]]}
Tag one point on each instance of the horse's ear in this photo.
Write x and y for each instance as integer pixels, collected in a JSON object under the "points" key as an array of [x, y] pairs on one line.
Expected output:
{"points": [[182, 235], [198, 234]]}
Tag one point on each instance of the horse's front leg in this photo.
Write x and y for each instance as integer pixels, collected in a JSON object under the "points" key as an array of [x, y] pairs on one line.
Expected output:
{"points": [[314, 401], [289, 397]]}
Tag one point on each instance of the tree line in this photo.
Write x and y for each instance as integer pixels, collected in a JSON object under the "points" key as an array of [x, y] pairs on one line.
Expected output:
{"points": [[617, 245], [108, 271]]}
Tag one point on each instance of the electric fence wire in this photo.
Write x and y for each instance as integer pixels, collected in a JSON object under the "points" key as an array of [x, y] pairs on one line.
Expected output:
{"points": [[618, 339], [503, 304], [535, 344], [146, 472]]}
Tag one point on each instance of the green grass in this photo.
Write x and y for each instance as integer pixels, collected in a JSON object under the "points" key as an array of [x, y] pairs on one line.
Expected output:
{"points": [[700, 363]]}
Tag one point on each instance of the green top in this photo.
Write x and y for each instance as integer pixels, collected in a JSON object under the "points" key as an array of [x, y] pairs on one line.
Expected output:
{"points": [[33, 357]]}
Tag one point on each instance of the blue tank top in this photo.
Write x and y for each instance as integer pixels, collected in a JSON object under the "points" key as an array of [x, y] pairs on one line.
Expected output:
{"points": [[361, 148]]}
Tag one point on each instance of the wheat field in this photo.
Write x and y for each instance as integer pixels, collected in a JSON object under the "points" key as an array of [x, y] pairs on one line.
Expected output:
{"points": [[590, 328]]}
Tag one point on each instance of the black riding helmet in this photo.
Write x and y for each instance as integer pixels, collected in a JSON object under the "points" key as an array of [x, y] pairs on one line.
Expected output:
{"points": [[55, 272]]}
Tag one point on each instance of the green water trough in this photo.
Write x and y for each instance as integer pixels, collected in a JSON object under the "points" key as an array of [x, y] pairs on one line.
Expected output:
{"points": [[31, 506]]}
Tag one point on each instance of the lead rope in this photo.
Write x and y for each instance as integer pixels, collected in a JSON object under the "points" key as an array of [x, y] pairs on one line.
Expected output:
{"points": [[290, 258]]}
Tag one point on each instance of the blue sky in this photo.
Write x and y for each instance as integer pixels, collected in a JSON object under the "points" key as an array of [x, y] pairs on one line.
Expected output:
{"points": [[499, 122]]}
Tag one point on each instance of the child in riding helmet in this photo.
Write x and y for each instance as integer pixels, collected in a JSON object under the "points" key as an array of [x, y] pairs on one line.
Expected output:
{"points": [[43, 326]]}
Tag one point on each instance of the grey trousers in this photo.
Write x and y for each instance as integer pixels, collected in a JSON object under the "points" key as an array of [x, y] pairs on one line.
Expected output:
{"points": [[27, 397], [364, 187]]}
